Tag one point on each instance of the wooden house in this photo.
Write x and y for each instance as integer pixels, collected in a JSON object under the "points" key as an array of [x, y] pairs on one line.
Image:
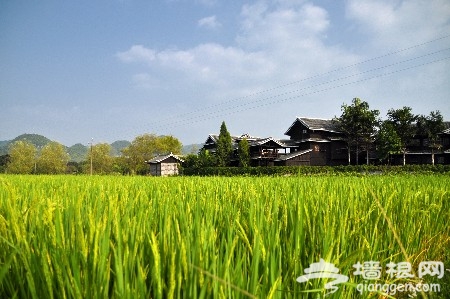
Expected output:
{"points": [[419, 150], [318, 142], [164, 165], [312, 141], [263, 151]]}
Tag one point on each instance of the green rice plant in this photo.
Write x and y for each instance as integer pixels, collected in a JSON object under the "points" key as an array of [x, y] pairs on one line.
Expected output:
{"points": [[215, 237]]}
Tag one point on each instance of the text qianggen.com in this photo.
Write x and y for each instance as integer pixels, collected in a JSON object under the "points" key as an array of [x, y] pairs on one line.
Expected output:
{"points": [[392, 289]]}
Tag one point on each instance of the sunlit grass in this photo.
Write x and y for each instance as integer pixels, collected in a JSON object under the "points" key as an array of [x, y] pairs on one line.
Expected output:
{"points": [[191, 237]]}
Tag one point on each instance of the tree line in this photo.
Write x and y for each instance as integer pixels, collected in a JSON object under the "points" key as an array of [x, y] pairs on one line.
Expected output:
{"points": [[24, 158], [364, 130]]}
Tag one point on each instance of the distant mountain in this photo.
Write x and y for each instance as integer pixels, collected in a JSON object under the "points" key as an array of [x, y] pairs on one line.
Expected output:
{"points": [[4, 147], [191, 149], [118, 146], [4, 143], [77, 152], [37, 140]]}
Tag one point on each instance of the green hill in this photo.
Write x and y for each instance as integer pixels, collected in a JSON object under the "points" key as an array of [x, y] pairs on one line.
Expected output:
{"points": [[77, 152], [118, 146], [4, 147], [191, 149], [39, 141]]}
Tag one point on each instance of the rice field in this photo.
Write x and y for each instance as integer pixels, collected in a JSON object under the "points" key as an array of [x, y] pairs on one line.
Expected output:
{"points": [[217, 237]]}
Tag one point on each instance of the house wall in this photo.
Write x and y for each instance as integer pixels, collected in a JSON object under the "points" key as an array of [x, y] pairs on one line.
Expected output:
{"points": [[397, 159], [297, 131], [338, 153], [318, 154], [164, 169], [302, 160], [445, 142], [169, 169], [155, 169]]}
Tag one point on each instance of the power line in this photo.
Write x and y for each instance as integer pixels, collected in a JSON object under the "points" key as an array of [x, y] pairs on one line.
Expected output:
{"points": [[241, 106], [220, 113], [303, 80]]}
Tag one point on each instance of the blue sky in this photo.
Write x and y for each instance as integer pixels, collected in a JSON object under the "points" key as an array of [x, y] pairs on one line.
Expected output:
{"points": [[112, 70]]}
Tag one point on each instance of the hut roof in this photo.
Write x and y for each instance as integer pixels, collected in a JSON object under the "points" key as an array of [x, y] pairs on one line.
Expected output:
{"points": [[315, 124], [161, 158]]}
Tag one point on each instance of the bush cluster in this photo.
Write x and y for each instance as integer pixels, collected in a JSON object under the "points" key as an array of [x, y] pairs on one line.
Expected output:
{"points": [[314, 170]]}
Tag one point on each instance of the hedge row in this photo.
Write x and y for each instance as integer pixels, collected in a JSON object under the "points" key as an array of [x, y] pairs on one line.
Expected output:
{"points": [[315, 170]]}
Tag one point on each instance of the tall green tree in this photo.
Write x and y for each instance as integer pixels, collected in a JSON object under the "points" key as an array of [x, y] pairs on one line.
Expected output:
{"points": [[432, 125], [403, 121], [206, 159], [224, 146], [141, 149], [244, 153], [102, 160], [168, 144], [145, 147], [53, 159], [387, 141], [358, 123], [22, 157]]}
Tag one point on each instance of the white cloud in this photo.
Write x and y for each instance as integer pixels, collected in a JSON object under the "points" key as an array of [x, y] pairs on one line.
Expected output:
{"points": [[288, 29], [137, 53], [146, 81], [394, 24], [209, 22], [281, 42], [377, 15]]}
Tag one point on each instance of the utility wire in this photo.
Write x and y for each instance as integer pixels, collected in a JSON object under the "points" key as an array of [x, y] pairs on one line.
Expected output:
{"points": [[221, 113], [299, 81], [260, 102]]}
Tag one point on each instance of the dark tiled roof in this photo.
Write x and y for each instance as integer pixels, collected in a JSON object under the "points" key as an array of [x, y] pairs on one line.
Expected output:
{"points": [[159, 159], [262, 141], [248, 137], [314, 140], [293, 155], [214, 138], [319, 124], [289, 142], [315, 124], [252, 140], [446, 127]]}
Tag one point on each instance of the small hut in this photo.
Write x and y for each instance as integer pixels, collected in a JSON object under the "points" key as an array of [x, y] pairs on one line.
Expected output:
{"points": [[164, 165]]}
